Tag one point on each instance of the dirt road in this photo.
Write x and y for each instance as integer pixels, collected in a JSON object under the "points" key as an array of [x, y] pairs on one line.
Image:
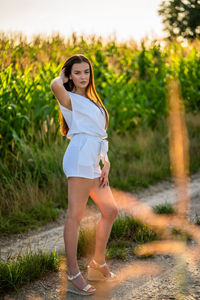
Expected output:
{"points": [[160, 286]]}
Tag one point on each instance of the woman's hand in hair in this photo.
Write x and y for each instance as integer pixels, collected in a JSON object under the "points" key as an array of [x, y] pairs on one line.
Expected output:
{"points": [[63, 77]]}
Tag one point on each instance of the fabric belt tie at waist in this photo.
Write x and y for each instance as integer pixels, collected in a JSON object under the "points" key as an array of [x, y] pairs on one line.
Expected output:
{"points": [[103, 149]]}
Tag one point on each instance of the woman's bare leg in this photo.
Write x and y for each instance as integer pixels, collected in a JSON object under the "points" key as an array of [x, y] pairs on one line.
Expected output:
{"points": [[104, 199], [78, 193]]}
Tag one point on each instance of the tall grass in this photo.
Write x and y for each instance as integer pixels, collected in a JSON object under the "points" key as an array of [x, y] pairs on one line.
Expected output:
{"points": [[126, 230], [25, 269], [35, 192], [131, 80]]}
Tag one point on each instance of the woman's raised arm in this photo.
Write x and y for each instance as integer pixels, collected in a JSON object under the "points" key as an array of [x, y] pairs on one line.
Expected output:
{"points": [[60, 92]]}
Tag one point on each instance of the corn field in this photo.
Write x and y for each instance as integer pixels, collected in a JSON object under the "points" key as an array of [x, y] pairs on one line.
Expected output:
{"points": [[130, 79]]}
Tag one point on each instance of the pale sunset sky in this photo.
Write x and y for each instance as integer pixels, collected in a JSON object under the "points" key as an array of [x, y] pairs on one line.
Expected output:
{"points": [[123, 18]]}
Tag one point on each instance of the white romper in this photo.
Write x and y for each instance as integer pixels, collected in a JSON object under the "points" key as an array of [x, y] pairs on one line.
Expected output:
{"points": [[87, 134]]}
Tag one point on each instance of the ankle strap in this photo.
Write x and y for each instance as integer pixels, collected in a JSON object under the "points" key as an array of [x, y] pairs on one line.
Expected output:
{"points": [[98, 265], [71, 277]]}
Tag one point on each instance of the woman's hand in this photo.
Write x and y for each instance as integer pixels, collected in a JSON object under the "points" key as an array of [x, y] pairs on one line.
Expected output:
{"points": [[63, 77], [104, 175]]}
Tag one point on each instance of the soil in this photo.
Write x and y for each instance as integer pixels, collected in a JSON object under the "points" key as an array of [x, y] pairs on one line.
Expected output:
{"points": [[159, 283]]}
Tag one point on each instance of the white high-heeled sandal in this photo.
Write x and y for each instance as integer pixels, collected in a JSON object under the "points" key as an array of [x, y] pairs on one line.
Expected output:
{"points": [[73, 289], [96, 275]]}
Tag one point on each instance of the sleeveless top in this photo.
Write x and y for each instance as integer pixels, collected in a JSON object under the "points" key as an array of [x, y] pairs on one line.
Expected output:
{"points": [[85, 117]]}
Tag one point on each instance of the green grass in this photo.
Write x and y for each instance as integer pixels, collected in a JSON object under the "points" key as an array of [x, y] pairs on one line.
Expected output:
{"points": [[86, 241], [126, 231], [33, 217], [197, 222], [116, 252], [128, 228], [144, 256], [193, 126], [119, 248], [164, 208], [137, 161], [167, 208], [178, 234], [34, 180], [142, 158], [26, 268]]}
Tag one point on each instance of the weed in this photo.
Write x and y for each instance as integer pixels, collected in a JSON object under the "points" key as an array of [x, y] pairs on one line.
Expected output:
{"points": [[23, 269], [164, 208]]}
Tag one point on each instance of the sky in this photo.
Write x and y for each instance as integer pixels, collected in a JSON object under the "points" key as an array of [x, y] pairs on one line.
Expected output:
{"points": [[122, 18]]}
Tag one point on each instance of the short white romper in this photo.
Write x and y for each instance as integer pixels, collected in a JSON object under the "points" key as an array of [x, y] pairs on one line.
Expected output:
{"points": [[87, 134]]}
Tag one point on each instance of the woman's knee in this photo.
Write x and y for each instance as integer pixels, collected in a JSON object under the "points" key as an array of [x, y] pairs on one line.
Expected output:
{"points": [[111, 212], [74, 216]]}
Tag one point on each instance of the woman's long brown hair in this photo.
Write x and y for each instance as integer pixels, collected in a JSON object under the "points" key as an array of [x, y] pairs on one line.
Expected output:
{"points": [[91, 92]]}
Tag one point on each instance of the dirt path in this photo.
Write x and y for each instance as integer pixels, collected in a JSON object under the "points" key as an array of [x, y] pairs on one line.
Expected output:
{"points": [[161, 286], [139, 287], [49, 236]]}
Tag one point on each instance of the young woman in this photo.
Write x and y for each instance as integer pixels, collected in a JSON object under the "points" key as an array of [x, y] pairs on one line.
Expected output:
{"points": [[84, 119]]}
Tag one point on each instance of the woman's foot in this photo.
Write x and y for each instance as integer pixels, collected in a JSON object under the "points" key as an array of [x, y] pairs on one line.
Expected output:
{"points": [[98, 271], [80, 283]]}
